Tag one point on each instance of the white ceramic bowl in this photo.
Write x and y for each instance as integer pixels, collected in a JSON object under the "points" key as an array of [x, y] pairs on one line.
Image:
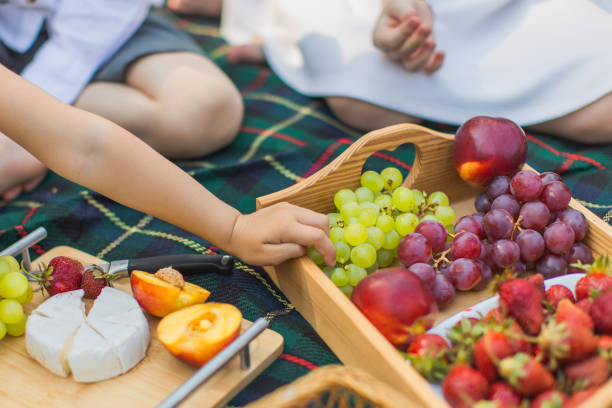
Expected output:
{"points": [[481, 309]]}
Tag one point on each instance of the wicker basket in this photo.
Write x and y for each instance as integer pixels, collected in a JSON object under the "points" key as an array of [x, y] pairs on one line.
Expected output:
{"points": [[334, 386]]}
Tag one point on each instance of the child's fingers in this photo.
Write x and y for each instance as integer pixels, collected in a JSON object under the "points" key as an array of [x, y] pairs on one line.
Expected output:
{"points": [[434, 63], [315, 219], [307, 235], [419, 59], [278, 253], [391, 38]]}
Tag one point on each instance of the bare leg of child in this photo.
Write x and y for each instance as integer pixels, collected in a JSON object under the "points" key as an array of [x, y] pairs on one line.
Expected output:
{"points": [[179, 103], [591, 124], [366, 116], [19, 170], [208, 8]]}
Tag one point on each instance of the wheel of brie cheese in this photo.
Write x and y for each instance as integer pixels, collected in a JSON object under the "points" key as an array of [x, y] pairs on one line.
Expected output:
{"points": [[109, 341]]}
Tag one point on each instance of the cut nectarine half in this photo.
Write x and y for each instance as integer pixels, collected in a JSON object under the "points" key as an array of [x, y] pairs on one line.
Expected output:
{"points": [[161, 297], [196, 333]]}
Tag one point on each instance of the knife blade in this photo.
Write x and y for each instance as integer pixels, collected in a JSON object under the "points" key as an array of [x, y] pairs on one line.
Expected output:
{"points": [[187, 264]]}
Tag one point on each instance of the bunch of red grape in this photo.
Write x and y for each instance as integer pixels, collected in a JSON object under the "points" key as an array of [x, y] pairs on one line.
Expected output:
{"points": [[522, 223]]}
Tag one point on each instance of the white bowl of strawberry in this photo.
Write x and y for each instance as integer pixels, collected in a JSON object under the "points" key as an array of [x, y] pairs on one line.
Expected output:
{"points": [[547, 343]]}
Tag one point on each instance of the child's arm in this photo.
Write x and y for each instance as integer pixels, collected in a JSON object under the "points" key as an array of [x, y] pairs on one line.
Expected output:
{"points": [[100, 155]]}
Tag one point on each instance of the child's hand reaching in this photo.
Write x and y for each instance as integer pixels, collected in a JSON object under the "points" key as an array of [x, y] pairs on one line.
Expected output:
{"points": [[280, 232], [404, 33]]}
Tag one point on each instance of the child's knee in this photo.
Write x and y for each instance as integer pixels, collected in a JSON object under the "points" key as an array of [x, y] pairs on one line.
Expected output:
{"points": [[206, 120]]}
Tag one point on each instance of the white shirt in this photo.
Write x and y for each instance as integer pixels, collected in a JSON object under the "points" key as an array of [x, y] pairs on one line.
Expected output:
{"points": [[83, 34]]}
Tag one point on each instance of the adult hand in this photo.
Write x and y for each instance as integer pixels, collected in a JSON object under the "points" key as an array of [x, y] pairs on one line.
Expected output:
{"points": [[283, 231], [404, 34]]}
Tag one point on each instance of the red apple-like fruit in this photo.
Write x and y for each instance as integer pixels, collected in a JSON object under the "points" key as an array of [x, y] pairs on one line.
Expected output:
{"points": [[397, 303], [486, 147]]}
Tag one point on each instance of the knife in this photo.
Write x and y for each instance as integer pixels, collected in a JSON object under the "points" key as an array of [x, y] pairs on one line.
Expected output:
{"points": [[187, 264]]}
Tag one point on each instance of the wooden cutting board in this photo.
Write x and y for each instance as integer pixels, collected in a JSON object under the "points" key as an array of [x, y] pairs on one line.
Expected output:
{"points": [[25, 383]]}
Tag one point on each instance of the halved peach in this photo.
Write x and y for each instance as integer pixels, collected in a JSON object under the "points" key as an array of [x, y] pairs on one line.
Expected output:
{"points": [[196, 333], [160, 295]]}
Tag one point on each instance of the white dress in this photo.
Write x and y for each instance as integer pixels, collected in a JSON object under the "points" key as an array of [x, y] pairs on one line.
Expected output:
{"points": [[526, 60]]}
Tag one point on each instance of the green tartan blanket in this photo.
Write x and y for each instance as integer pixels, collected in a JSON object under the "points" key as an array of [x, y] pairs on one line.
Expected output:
{"points": [[284, 137]]}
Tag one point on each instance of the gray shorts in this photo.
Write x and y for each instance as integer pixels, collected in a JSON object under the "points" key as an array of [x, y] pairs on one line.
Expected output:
{"points": [[155, 35]]}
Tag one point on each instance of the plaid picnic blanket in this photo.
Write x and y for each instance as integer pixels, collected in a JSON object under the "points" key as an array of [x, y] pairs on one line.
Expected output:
{"points": [[284, 137]]}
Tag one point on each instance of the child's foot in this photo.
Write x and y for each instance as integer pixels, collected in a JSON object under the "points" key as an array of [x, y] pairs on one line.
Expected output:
{"points": [[19, 170], [207, 8]]}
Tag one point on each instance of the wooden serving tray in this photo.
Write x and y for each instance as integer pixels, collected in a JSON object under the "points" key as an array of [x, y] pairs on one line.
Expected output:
{"points": [[345, 330], [25, 383]]}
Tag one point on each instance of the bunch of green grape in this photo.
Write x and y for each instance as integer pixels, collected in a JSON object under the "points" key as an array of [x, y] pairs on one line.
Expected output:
{"points": [[15, 291], [371, 221]]}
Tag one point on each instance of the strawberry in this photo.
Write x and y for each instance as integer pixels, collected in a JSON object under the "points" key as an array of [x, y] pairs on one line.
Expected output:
{"points": [[428, 354], [516, 335], [505, 397], [565, 342], [578, 398], [569, 312], [585, 374], [522, 300], [537, 280], [604, 343], [525, 374], [489, 350], [63, 274], [463, 336], [585, 305], [464, 386], [556, 293], [550, 399], [94, 280], [590, 284], [601, 312]]}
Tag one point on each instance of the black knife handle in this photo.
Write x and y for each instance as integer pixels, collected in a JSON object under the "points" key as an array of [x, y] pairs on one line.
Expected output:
{"points": [[188, 264]]}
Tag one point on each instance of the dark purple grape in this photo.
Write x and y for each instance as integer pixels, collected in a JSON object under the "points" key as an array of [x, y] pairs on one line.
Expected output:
{"points": [[465, 245], [553, 216], [469, 224], [551, 265], [499, 185], [535, 215], [413, 248], [426, 273], [482, 203], [558, 237], [464, 274], [526, 185], [487, 276], [531, 244], [548, 177], [434, 233], [505, 253], [507, 202], [578, 252], [498, 224], [443, 291], [576, 221], [486, 253], [519, 269], [556, 195]]}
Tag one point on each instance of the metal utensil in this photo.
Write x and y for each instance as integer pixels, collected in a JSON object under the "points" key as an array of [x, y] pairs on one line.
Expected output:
{"points": [[239, 345]]}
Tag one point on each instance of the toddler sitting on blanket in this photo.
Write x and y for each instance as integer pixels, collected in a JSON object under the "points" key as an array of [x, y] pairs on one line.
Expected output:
{"points": [[544, 64], [124, 62]]}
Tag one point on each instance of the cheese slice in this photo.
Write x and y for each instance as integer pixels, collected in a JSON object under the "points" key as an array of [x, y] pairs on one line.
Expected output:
{"points": [[91, 357], [64, 306], [48, 341], [110, 341], [111, 302]]}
